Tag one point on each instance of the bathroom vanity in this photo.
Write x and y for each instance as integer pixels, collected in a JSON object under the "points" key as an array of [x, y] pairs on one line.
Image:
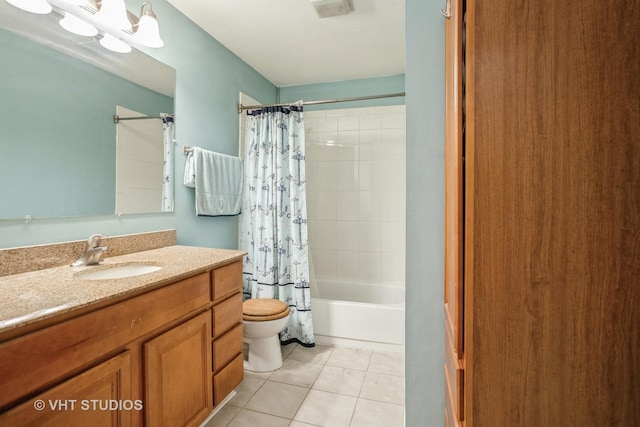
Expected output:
{"points": [[162, 348]]}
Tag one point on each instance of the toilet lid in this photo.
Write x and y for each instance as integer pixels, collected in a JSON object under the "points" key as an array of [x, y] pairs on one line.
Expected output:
{"points": [[261, 309]]}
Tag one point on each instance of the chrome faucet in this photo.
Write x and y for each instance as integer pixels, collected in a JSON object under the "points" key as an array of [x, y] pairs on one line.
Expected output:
{"points": [[93, 253]]}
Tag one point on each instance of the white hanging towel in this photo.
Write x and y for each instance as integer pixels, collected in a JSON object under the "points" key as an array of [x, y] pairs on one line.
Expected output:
{"points": [[218, 182], [189, 178]]}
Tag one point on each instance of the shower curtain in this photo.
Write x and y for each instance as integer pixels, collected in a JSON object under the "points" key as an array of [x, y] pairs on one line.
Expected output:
{"points": [[273, 225], [167, 167]]}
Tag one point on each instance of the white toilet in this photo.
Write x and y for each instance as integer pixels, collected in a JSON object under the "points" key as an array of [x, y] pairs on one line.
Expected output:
{"points": [[263, 319]]}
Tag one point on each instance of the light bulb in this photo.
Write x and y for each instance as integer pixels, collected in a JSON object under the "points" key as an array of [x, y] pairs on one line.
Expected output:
{"points": [[114, 14], [114, 44], [77, 26], [148, 33], [34, 6]]}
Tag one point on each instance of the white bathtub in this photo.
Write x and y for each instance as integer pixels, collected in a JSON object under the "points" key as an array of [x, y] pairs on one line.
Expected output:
{"points": [[359, 315]]}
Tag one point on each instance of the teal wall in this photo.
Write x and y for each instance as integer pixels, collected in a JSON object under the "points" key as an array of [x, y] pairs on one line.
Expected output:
{"points": [[346, 89], [208, 80], [425, 214]]}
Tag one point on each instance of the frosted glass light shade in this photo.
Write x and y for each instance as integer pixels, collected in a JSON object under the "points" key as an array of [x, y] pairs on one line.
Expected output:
{"points": [[114, 44], [77, 26], [114, 14], [148, 33], [34, 6]]}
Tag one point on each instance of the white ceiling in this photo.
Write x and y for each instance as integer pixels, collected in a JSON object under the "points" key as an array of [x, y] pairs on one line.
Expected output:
{"points": [[285, 41]]}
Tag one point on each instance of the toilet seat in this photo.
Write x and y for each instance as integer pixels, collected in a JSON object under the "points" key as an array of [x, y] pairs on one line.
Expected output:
{"points": [[264, 309]]}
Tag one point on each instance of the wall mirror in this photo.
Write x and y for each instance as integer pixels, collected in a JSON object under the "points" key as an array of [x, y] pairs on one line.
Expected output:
{"points": [[59, 96]]}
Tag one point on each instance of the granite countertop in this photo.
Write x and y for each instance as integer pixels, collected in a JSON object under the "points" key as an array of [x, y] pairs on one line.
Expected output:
{"points": [[37, 295]]}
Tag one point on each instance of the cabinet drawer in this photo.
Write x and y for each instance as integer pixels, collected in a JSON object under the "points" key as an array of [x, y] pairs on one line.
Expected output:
{"points": [[455, 378], [44, 357], [227, 379], [226, 280], [226, 315], [451, 420], [227, 347]]}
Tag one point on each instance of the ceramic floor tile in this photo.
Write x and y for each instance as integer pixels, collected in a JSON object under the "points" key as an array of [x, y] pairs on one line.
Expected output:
{"points": [[350, 358], [387, 363], [382, 387], [318, 354], [223, 417], [299, 424], [282, 400], [326, 409], [247, 388], [296, 373], [246, 418], [261, 375], [370, 413], [340, 380], [287, 349]]}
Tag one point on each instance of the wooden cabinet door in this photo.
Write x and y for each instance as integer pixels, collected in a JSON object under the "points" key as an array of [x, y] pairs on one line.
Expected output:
{"points": [[454, 178], [99, 397], [454, 216], [555, 332], [177, 374]]}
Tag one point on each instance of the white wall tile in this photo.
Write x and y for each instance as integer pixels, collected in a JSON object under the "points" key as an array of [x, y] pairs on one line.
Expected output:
{"points": [[369, 267], [348, 123], [357, 194], [392, 269], [347, 236], [370, 121], [392, 142], [325, 264], [392, 206], [327, 176], [370, 136], [348, 142], [392, 121], [392, 236], [348, 176], [369, 206], [327, 124], [327, 147], [327, 205], [347, 265], [327, 235], [390, 175], [348, 202], [357, 111], [336, 113], [366, 175], [369, 237]]}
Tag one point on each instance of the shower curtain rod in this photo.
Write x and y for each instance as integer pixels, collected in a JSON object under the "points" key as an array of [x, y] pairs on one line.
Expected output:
{"points": [[117, 118], [241, 107]]}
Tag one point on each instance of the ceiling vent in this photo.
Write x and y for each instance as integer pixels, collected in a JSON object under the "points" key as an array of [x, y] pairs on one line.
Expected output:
{"points": [[329, 8]]}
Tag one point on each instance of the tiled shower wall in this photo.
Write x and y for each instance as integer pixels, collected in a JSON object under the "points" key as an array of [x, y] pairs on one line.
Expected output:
{"points": [[356, 193]]}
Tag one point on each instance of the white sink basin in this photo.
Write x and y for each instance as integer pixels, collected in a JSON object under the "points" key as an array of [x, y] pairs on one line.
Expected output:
{"points": [[118, 272]]}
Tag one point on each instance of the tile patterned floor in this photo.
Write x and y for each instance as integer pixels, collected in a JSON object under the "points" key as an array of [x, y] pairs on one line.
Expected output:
{"points": [[321, 386]]}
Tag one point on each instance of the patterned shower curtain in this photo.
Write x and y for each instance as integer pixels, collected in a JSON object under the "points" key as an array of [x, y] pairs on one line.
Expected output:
{"points": [[273, 225], [167, 168]]}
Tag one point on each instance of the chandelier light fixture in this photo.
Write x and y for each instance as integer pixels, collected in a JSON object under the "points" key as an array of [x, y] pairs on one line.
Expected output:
{"points": [[108, 20]]}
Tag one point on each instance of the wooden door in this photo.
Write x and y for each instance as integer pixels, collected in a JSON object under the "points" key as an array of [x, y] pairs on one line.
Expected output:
{"points": [[454, 215], [177, 374], [99, 397], [554, 133]]}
